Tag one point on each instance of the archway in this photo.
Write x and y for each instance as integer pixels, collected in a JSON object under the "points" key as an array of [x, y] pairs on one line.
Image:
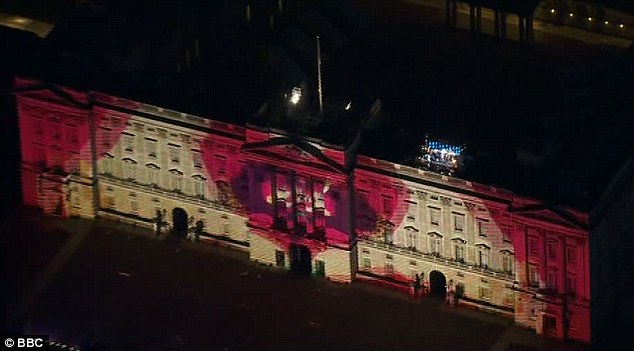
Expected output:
{"points": [[300, 259], [438, 284], [179, 222]]}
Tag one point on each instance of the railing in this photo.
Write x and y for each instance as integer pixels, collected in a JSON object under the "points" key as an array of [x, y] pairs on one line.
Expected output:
{"points": [[435, 258], [131, 185]]}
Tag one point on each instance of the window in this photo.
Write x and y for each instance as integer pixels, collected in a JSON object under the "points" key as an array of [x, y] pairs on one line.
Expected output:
{"points": [[320, 268], [389, 268], [301, 215], [551, 248], [175, 153], [220, 165], [411, 237], [104, 135], [509, 298], [129, 169], [56, 132], [434, 216], [39, 128], [508, 262], [551, 279], [435, 243], [128, 142], [571, 284], [176, 180], [320, 218], [458, 247], [571, 252], [387, 205], [507, 233], [388, 234], [109, 202], [72, 165], [198, 158], [483, 256], [367, 263], [411, 211], [150, 146], [482, 227], [71, 134], [153, 174], [134, 206], [106, 164], [533, 276], [533, 246], [39, 156], [55, 157], [484, 292], [458, 222], [280, 258], [199, 186]]}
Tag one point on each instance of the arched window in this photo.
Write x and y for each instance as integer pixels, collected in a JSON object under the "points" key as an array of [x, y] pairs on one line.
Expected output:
{"points": [[199, 186], [435, 244], [176, 180], [484, 253], [129, 169], [459, 249], [508, 262], [153, 174]]}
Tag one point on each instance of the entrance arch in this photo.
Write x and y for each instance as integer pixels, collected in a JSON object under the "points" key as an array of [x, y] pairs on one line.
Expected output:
{"points": [[438, 284], [300, 259], [179, 222]]}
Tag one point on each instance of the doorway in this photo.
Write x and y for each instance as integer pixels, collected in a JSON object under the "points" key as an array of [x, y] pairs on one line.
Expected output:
{"points": [[300, 259], [179, 222], [438, 284]]}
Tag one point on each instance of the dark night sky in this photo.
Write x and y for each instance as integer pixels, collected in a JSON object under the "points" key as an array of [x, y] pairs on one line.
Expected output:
{"points": [[514, 107]]}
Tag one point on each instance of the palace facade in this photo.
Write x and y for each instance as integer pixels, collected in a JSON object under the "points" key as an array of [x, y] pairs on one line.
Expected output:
{"points": [[305, 205]]}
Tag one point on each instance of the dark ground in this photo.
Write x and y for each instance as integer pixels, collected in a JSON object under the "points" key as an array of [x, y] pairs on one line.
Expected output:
{"points": [[139, 293]]}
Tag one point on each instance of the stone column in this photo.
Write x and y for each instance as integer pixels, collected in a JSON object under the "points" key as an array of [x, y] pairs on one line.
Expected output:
{"points": [[503, 25], [522, 31], [496, 24], [446, 228], [529, 30], [479, 19]]}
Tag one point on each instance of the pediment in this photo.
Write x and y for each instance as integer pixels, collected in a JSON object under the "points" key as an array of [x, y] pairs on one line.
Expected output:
{"points": [[293, 150], [549, 215], [52, 93]]}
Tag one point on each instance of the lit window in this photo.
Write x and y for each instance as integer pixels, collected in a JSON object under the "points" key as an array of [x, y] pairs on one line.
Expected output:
{"points": [[106, 164], [459, 247], [153, 174], [150, 145], [533, 246], [411, 237], [387, 205], [506, 233], [571, 252], [176, 180], [458, 222], [367, 263], [199, 186], [434, 216], [435, 243], [389, 268], [129, 169], [482, 227], [508, 262], [483, 256], [71, 134], [551, 279], [198, 158], [533, 276], [552, 249], [411, 211], [128, 142], [175, 153]]}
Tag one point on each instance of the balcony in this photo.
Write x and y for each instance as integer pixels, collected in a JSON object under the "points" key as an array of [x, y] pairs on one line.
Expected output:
{"points": [[437, 258], [173, 195]]}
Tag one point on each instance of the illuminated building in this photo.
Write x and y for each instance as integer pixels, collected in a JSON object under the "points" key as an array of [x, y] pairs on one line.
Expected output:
{"points": [[304, 204]]}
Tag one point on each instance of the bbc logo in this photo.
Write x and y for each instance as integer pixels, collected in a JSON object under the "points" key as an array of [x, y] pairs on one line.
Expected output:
{"points": [[26, 342]]}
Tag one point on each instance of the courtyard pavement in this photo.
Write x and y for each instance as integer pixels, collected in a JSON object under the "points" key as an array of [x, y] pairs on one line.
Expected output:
{"points": [[134, 291]]}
